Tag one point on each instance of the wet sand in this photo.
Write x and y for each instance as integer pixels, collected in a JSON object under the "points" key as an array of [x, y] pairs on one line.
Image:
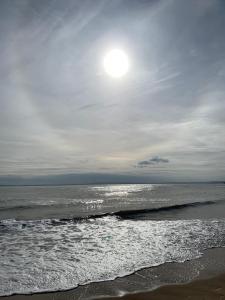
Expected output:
{"points": [[211, 289], [208, 289]]}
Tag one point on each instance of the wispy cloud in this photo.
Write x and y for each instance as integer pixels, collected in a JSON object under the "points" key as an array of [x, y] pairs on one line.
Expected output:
{"points": [[60, 113]]}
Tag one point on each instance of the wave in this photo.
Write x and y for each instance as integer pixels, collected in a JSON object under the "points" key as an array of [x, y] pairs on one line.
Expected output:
{"points": [[125, 214], [102, 249], [132, 212], [51, 205]]}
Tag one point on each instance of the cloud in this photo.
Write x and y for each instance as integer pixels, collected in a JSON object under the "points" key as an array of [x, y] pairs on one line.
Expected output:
{"points": [[152, 161], [60, 113]]}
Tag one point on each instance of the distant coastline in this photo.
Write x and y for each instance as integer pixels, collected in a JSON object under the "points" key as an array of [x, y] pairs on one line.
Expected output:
{"points": [[99, 178]]}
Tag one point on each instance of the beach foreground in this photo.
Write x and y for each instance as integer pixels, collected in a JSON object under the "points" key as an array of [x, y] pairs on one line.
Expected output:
{"points": [[201, 289], [202, 278], [208, 289]]}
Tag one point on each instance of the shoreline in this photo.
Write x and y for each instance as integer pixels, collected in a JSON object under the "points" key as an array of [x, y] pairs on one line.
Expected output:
{"points": [[151, 283], [205, 289], [200, 289]]}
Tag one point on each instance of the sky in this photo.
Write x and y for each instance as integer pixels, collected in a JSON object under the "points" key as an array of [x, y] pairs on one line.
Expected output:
{"points": [[61, 115]]}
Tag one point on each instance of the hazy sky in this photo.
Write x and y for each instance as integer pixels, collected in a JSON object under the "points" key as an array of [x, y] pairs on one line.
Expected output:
{"points": [[61, 114]]}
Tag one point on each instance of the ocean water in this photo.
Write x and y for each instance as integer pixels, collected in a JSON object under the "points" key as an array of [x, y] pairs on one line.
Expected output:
{"points": [[59, 237]]}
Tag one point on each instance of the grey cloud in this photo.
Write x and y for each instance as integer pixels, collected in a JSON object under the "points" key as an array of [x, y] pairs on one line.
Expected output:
{"points": [[152, 161], [88, 106]]}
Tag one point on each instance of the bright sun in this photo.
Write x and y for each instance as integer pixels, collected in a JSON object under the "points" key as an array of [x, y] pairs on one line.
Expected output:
{"points": [[116, 63]]}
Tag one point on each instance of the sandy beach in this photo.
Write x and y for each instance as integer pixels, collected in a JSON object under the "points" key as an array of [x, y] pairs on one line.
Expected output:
{"points": [[209, 289], [202, 289]]}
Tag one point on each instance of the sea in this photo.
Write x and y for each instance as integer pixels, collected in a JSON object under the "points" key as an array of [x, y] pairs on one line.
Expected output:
{"points": [[56, 238]]}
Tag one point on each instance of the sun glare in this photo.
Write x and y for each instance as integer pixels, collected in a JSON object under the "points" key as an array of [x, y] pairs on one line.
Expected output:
{"points": [[116, 63]]}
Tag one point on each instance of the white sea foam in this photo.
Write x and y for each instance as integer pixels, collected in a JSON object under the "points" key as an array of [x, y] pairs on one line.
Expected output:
{"points": [[52, 255]]}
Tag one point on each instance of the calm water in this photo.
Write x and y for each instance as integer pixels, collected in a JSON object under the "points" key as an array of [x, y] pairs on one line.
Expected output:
{"points": [[60, 236]]}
